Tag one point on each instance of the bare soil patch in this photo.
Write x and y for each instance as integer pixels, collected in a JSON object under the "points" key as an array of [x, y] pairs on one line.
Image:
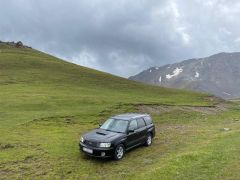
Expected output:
{"points": [[6, 146], [159, 109]]}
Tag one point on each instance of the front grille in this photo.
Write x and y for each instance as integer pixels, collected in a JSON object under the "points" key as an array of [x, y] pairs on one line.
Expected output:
{"points": [[91, 143]]}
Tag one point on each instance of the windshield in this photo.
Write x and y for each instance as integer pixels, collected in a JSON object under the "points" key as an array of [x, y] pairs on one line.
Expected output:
{"points": [[116, 125]]}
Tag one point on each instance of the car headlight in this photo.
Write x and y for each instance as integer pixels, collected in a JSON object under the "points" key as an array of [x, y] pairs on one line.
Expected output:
{"points": [[82, 139], [106, 145]]}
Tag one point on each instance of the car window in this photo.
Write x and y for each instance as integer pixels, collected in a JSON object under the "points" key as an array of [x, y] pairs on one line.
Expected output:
{"points": [[140, 123], [133, 125], [115, 125], [148, 120]]}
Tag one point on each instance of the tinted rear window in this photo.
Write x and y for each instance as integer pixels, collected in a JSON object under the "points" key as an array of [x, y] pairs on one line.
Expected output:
{"points": [[140, 123], [133, 125], [148, 120]]}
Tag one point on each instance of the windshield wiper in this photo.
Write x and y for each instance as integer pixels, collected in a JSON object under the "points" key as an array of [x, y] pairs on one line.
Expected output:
{"points": [[106, 129], [111, 130], [117, 131]]}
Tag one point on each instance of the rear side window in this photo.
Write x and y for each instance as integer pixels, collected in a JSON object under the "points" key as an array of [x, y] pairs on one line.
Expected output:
{"points": [[148, 120], [133, 125], [140, 123]]}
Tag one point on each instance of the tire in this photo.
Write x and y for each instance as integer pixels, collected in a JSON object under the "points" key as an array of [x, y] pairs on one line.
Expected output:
{"points": [[119, 152], [148, 140]]}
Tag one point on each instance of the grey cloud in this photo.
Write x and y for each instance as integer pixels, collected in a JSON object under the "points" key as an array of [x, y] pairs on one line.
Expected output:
{"points": [[123, 37]]}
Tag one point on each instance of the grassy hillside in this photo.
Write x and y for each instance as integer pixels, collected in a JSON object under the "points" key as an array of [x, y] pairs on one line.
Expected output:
{"points": [[46, 104]]}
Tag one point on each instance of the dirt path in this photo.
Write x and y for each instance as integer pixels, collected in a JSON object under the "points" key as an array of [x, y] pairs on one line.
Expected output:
{"points": [[158, 109]]}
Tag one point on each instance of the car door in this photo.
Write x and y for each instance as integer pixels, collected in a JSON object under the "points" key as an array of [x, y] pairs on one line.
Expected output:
{"points": [[141, 130], [132, 137]]}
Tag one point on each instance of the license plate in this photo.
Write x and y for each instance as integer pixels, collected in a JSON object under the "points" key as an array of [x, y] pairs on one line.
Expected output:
{"points": [[88, 150]]}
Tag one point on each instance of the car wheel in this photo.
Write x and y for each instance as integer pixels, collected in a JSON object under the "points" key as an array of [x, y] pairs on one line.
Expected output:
{"points": [[119, 152], [148, 140]]}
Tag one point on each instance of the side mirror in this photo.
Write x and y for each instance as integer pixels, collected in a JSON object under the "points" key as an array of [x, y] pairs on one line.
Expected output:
{"points": [[131, 131], [100, 125]]}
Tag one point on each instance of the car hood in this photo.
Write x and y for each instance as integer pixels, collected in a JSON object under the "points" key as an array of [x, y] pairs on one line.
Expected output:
{"points": [[102, 135]]}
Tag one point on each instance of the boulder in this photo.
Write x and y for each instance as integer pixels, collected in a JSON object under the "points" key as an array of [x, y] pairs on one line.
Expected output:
{"points": [[225, 129], [19, 44]]}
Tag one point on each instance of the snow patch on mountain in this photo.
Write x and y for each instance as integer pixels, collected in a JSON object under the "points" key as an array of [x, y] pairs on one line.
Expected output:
{"points": [[176, 72], [227, 93], [197, 75], [160, 79]]}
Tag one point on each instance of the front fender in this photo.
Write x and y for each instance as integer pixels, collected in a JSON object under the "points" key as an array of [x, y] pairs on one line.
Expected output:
{"points": [[121, 140]]}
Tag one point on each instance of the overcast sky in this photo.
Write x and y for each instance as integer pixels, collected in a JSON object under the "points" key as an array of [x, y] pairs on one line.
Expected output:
{"points": [[123, 37]]}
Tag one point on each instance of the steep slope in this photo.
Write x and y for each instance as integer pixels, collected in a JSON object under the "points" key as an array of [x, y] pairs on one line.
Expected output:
{"points": [[46, 104], [218, 74]]}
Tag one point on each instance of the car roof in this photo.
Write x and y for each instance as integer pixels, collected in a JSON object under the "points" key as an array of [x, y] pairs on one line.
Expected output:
{"points": [[129, 116]]}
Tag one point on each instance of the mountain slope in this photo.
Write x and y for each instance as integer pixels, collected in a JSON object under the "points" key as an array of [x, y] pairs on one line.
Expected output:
{"points": [[218, 74], [46, 104]]}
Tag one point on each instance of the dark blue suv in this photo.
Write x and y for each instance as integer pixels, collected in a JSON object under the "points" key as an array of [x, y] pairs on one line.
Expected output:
{"points": [[117, 135]]}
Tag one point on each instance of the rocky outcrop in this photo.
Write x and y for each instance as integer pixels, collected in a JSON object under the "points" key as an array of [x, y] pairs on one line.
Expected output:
{"points": [[18, 44]]}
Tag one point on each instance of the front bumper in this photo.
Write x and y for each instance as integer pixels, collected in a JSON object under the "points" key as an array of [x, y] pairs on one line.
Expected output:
{"points": [[97, 151]]}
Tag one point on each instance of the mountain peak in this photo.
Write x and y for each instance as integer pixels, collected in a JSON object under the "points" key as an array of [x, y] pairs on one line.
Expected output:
{"points": [[217, 74]]}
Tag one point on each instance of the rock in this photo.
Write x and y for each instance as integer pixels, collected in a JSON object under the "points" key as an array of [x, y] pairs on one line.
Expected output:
{"points": [[225, 129], [19, 44]]}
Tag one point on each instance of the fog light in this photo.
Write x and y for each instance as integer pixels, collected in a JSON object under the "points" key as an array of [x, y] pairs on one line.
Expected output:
{"points": [[103, 153]]}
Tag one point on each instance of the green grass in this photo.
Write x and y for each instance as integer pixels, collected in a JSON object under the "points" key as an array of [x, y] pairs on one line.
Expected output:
{"points": [[46, 104]]}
